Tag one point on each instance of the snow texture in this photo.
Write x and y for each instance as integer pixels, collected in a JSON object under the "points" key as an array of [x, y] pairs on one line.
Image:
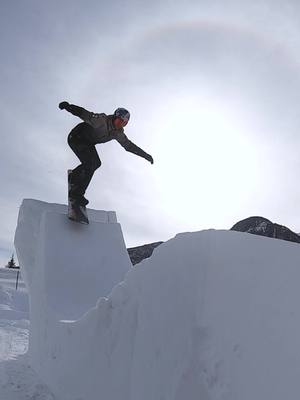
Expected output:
{"points": [[212, 315], [17, 379], [67, 267]]}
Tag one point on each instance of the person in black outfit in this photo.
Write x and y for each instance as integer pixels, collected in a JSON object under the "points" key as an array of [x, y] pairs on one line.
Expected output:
{"points": [[96, 128]]}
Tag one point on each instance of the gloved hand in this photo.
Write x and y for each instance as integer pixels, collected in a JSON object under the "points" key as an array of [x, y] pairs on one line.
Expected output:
{"points": [[149, 158], [63, 105]]}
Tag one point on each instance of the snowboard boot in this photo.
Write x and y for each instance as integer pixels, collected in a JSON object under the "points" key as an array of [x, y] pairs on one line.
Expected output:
{"points": [[83, 201], [78, 213], [80, 200]]}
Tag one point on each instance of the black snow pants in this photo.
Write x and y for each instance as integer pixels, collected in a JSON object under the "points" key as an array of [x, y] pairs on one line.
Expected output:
{"points": [[81, 176]]}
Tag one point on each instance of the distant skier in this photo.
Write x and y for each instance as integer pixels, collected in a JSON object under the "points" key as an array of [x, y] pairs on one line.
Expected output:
{"points": [[96, 128]]}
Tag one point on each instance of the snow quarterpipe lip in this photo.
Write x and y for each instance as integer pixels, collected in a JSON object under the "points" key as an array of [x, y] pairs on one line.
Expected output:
{"points": [[74, 265]]}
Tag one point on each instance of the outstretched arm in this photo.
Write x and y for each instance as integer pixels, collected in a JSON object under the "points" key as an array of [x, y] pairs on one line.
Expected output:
{"points": [[133, 148], [75, 110]]}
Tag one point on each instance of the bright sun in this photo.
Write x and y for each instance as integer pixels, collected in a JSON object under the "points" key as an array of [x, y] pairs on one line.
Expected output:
{"points": [[207, 157]]}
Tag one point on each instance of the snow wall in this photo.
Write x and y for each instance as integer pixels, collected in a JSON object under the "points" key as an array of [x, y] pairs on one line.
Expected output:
{"points": [[66, 266], [211, 315]]}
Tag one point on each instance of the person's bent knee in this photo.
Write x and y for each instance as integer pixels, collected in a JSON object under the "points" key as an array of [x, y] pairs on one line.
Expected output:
{"points": [[97, 164], [91, 167]]}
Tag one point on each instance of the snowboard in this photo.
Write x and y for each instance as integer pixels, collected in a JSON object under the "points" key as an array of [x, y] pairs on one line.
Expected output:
{"points": [[76, 212]]}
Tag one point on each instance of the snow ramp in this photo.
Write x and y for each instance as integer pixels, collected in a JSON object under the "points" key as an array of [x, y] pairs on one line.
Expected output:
{"points": [[67, 266], [212, 315], [77, 263]]}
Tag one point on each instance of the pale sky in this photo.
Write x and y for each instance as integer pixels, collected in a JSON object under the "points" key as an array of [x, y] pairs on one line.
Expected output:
{"points": [[213, 88]]}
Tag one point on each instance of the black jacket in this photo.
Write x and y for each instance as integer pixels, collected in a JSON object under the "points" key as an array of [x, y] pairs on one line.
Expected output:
{"points": [[103, 130]]}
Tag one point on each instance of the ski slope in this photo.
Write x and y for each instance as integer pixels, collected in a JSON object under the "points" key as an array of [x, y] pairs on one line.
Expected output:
{"points": [[211, 315]]}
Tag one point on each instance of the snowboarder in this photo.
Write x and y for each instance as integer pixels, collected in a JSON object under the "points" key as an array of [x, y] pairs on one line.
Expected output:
{"points": [[96, 128]]}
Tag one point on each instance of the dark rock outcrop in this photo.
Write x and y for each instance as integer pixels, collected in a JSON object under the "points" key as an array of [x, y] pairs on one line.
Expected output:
{"points": [[139, 253], [255, 225], [263, 227]]}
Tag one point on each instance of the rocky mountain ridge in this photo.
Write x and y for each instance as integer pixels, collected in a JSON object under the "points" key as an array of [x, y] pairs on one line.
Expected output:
{"points": [[255, 225], [263, 227]]}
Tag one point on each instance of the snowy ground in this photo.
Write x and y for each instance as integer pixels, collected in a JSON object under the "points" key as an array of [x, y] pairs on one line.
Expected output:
{"points": [[212, 315], [17, 380]]}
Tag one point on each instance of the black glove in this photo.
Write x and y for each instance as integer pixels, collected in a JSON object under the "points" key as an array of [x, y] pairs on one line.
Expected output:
{"points": [[149, 158], [63, 105]]}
